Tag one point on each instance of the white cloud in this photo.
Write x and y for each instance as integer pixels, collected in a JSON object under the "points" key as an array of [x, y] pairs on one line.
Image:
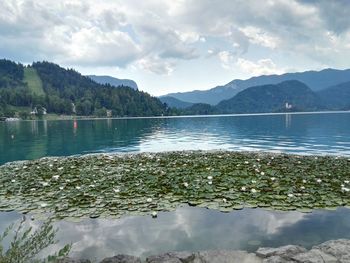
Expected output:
{"points": [[261, 67], [260, 37], [156, 65], [158, 34]]}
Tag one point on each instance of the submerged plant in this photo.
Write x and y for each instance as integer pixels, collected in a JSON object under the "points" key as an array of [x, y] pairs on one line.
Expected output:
{"points": [[26, 244]]}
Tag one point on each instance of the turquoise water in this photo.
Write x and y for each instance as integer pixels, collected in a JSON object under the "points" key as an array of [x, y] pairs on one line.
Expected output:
{"points": [[326, 133], [187, 228]]}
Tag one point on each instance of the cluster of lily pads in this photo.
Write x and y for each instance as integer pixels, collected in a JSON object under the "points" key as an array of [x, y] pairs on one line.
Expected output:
{"points": [[113, 185]]}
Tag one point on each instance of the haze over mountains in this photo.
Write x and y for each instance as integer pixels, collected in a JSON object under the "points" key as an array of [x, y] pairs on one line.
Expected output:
{"points": [[315, 80]]}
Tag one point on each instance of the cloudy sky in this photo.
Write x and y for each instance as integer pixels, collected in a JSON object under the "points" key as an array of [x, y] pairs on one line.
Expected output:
{"points": [[178, 45]]}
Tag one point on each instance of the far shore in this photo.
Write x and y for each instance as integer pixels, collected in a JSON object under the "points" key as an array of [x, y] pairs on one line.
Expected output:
{"points": [[54, 117]]}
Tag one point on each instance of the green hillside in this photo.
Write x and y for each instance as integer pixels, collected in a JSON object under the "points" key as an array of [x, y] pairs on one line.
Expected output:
{"points": [[66, 91], [32, 79], [272, 98]]}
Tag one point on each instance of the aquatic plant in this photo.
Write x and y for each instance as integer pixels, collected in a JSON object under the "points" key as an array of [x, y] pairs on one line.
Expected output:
{"points": [[110, 185]]}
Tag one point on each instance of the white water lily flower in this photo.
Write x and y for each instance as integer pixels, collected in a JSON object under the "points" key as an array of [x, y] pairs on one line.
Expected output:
{"points": [[299, 162], [258, 160], [243, 188], [185, 184], [78, 187], [60, 168], [253, 182], [116, 190], [246, 162], [304, 181], [302, 187], [13, 180], [253, 191], [61, 187], [45, 183], [262, 173], [32, 189], [257, 170], [43, 205], [92, 186], [224, 200], [55, 177], [290, 195], [149, 200], [346, 181], [344, 189], [50, 164], [273, 178], [319, 180], [210, 182], [210, 177], [272, 158]]}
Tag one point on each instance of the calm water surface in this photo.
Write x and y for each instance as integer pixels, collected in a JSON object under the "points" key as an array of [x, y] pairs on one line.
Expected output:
{"points": [[187, 228], [294, 133]]}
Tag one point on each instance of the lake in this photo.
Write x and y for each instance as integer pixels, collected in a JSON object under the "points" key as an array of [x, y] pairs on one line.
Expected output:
{"points": [[187, 228]]}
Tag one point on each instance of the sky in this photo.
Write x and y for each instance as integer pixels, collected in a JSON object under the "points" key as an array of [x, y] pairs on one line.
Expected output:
{"points": [[178, 45]]}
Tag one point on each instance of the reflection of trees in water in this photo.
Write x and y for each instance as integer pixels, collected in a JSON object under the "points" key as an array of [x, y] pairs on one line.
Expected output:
{"points": [[34, 139]]}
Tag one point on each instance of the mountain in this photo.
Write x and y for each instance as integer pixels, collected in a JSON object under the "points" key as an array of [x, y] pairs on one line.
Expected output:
{"points": [[66, 91], [212, 96], [316, 80], [175, 103], [336, 97], [272, 98], [114, 81]]}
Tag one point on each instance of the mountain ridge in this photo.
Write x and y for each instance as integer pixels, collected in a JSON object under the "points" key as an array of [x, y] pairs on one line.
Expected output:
{"points": [[105, 79], [316, 80]]}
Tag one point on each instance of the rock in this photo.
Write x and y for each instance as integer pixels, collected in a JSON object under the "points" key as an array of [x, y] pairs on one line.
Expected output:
{"points": [[315, 256], [122, 259], [172, 257], [338, 248], [286, 252], [277, 259], [226, 256], [70, 260]]}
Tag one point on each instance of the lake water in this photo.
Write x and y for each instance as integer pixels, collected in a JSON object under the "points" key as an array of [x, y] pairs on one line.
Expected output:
{"points": [[187, 228]]}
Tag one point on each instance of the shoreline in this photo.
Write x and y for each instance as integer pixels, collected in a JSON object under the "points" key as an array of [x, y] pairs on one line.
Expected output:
{"points": [[329, 251], [72, 117]]}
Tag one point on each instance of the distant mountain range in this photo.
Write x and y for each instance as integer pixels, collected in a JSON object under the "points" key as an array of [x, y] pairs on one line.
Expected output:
{"points": [[114, 81], [315, 80], [175, 103]]}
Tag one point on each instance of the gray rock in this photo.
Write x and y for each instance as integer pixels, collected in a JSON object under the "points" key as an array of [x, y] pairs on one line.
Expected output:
{"points": [[277, 259], [172, 257], [70, 260], [226, 256], [344, 259], [338, 248], [285, 252], [122, 259], [315, 256]]}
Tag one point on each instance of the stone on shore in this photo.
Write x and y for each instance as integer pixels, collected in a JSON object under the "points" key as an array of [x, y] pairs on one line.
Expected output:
{"points": [[285, 252], [122, 259]]}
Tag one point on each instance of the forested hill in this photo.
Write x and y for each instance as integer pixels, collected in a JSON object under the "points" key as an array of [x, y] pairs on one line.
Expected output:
{"points": [[65, 91]]}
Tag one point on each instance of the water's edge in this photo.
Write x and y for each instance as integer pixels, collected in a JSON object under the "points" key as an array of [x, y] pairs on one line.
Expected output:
{"points": [[330, 251]]}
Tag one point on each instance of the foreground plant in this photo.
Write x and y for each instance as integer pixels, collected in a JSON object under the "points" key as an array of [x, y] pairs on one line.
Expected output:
{"points": [[26, 244], [137, 184]]}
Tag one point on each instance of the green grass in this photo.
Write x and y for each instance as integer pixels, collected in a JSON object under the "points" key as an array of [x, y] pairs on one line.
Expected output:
{"points": [[34, 82]]}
